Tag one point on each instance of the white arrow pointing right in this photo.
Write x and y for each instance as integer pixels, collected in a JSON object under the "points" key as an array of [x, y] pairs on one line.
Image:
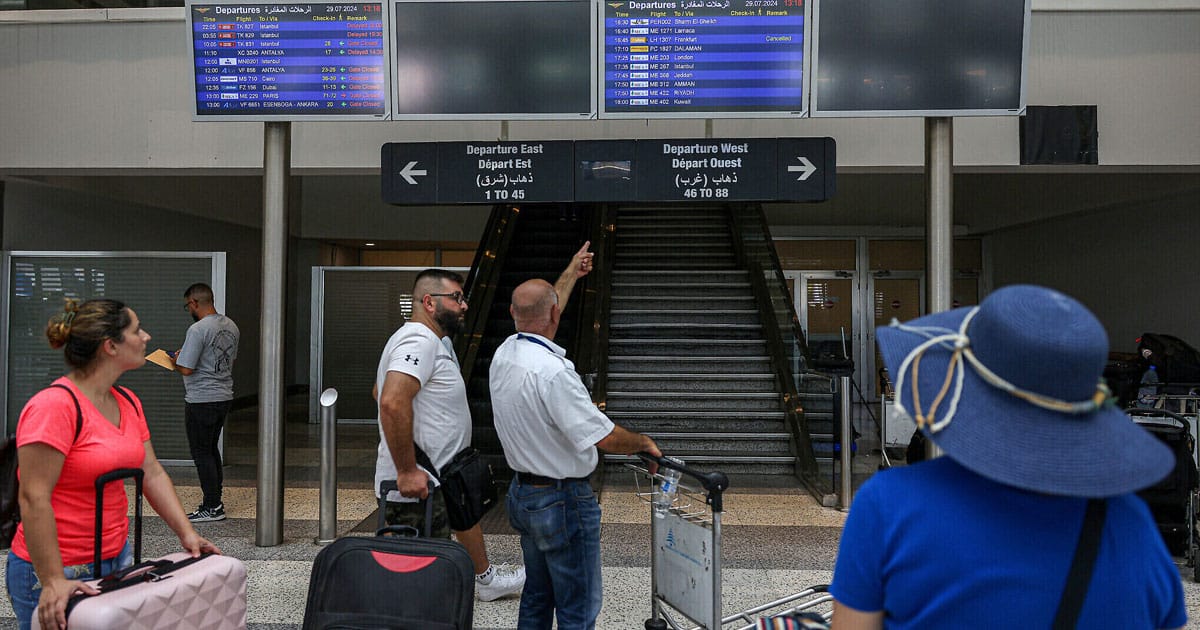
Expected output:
{"points": [[408, 172], [805, 171]]}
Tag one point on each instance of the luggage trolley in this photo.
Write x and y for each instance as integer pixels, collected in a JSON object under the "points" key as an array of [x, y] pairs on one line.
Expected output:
{"points": [[1174, 501], [685, 557]]}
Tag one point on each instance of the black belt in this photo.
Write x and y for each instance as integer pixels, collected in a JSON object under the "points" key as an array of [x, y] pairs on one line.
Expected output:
{"points": [[530, 479]]}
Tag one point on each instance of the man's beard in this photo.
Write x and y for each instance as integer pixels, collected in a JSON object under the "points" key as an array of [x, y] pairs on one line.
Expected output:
{"points": [[449, 321], [195, 317]]}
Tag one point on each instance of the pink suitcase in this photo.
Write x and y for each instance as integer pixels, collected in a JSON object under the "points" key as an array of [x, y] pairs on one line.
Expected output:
{"points": [[175, 591]]}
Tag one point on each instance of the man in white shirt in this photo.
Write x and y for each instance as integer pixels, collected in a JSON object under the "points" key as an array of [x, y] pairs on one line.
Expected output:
{"points": [[550, 430], [423, 404]]}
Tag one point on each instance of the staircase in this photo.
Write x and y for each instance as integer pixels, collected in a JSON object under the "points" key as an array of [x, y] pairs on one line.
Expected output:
{"points": [[687, 357]]}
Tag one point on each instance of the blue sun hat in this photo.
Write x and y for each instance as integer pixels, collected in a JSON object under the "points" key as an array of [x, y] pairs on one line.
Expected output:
{"points": [[1013, 390]]}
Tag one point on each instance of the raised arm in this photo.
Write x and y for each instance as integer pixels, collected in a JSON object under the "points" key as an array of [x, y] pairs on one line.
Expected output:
{"points": [[580, 266]]}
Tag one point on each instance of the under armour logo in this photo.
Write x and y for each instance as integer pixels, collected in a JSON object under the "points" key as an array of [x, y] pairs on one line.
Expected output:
{"points": [[408, 358]]}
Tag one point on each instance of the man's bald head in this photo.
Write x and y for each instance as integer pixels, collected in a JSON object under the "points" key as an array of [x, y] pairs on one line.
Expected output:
{"points": [[532, 307]]}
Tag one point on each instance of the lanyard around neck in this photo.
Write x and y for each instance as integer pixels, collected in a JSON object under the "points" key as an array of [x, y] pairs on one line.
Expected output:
{"points": [[537, 341]]}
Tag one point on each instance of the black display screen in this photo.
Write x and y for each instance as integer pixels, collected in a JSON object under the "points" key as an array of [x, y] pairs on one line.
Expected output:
{"points": [[493, 59], [910, 57], [291, 60], [704, 56]]}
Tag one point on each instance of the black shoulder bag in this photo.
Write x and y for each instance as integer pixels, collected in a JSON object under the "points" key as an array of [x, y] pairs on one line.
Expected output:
{"points": [[469, 487]]}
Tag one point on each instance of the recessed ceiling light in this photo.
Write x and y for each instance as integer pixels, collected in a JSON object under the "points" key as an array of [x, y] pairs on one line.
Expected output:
{"points": [[369, 244]]}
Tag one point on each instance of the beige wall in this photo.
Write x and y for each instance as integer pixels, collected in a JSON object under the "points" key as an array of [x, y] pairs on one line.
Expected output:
{"points": [[110, 90]]}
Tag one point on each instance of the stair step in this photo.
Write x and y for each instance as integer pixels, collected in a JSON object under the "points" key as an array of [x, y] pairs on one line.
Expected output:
{"points": [[689, 364], [690, 303], [733, 405], [688, 330], [697, 416], [655, 317], [768, 444], [631, 382], [683, 289], [698, 233], [683, 347]]}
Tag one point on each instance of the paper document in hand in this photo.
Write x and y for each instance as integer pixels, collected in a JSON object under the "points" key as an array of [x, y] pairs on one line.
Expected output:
{"points": [[161, 358]]}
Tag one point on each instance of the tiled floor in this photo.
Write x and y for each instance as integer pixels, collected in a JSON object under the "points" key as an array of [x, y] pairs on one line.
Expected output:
{"points": [[775, 539]]}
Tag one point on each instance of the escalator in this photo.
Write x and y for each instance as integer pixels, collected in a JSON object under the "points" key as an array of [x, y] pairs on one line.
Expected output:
{"points": [[685, 331], [519, 244]]}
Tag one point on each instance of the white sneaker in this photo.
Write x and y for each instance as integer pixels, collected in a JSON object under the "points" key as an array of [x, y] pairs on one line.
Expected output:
{"points": [[505, 581]]}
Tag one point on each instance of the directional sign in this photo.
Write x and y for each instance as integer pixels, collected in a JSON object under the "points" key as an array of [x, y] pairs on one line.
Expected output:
{"points": [[707, 170], [807, 168], [505, 172], [406, 173]]}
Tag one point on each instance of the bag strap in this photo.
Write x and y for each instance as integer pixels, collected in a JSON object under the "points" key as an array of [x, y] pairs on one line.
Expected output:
{"points": [[125, 392], [1082, 564], [424, 461], [78, 410]]}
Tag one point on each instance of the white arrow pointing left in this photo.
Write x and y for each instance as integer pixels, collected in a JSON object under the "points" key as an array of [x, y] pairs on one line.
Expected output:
{"points": [[806, 170], [408, 172]]}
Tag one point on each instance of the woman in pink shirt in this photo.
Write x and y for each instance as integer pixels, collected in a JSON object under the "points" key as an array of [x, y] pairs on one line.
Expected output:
{"points": [[59, 460]]}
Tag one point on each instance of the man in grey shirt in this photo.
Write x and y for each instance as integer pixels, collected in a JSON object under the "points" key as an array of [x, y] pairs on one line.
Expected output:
{"points": [[206, 363]]}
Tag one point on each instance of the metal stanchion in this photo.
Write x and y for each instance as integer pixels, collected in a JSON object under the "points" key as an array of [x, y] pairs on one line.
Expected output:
{"points": [[327, 530], [844, 384]]}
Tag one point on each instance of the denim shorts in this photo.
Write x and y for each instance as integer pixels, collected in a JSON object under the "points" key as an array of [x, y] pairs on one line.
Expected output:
{"points": [[24, 588]]}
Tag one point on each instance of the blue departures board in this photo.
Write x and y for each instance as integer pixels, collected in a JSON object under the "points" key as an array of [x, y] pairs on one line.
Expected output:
{"points": [[703, 57], [294, 60]]}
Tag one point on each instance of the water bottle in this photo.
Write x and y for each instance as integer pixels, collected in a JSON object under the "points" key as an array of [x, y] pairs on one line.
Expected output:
{"points": [[1148, 393], [668, 489]]}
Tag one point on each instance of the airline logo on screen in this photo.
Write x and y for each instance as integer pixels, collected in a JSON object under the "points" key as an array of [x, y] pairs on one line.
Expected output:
{"points": [[289, 60]]}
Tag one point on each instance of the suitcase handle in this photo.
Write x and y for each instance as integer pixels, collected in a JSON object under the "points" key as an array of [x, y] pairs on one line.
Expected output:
{"points": [[389, 485], [103, 480], [117, 576], [144, 572]]}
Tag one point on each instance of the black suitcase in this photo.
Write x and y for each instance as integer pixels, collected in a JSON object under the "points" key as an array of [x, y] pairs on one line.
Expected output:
{"points": [[393, 582], [1170, 499]]}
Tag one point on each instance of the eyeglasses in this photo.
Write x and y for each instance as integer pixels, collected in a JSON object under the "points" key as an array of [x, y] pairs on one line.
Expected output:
{"points": [[188, 304], [457, 296]]}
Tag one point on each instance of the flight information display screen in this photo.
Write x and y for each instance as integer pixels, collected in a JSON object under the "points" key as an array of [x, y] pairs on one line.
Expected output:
{"points": [[289, 61], [508, 59], [703, 58]]}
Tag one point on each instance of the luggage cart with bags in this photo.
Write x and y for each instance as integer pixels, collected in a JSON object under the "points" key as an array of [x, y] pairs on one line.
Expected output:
{"points": [[1174, 500], [685, 558]]}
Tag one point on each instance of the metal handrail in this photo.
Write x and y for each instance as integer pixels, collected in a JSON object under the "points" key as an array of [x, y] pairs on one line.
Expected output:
{"points": [[481, 285], [796, 422]]}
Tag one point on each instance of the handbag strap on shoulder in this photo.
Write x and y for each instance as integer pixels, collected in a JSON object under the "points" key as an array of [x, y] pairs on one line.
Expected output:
{"points": [[1082, 565]]}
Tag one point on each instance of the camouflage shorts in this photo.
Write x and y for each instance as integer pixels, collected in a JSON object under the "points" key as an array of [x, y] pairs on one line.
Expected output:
{"points": [[413, 515]]}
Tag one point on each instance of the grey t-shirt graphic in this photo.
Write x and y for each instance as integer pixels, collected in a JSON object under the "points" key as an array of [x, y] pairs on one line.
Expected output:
{"points": [[209, 349]]}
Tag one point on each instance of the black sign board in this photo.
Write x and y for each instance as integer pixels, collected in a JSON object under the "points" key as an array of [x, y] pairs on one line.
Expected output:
{"points": [[504, 172], [428, 173], [706, 170], [698, 171]]}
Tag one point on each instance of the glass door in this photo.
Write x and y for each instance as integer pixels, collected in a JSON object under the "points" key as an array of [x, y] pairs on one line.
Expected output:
{"points": [[827, 305], [893, 295]]}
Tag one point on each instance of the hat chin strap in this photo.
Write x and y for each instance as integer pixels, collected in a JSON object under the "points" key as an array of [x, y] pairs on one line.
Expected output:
{"points": [[961, 355]]}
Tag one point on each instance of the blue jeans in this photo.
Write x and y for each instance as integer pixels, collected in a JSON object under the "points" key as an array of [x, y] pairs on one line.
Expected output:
{"points": [[24, 588], [560, 539]]}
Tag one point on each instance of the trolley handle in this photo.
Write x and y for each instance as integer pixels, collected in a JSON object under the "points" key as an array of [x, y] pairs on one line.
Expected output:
{"points": [[714, 482]]}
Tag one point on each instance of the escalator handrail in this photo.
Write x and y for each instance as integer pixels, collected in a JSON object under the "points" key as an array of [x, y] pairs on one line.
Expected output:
{"points": [[481, 285]]}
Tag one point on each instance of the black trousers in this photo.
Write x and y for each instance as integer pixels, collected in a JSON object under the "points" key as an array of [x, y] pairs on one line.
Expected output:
{"points": [[204, 422]]}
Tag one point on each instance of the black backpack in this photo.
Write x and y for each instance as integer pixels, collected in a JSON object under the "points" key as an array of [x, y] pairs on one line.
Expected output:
{"points": [[10, 508]]}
